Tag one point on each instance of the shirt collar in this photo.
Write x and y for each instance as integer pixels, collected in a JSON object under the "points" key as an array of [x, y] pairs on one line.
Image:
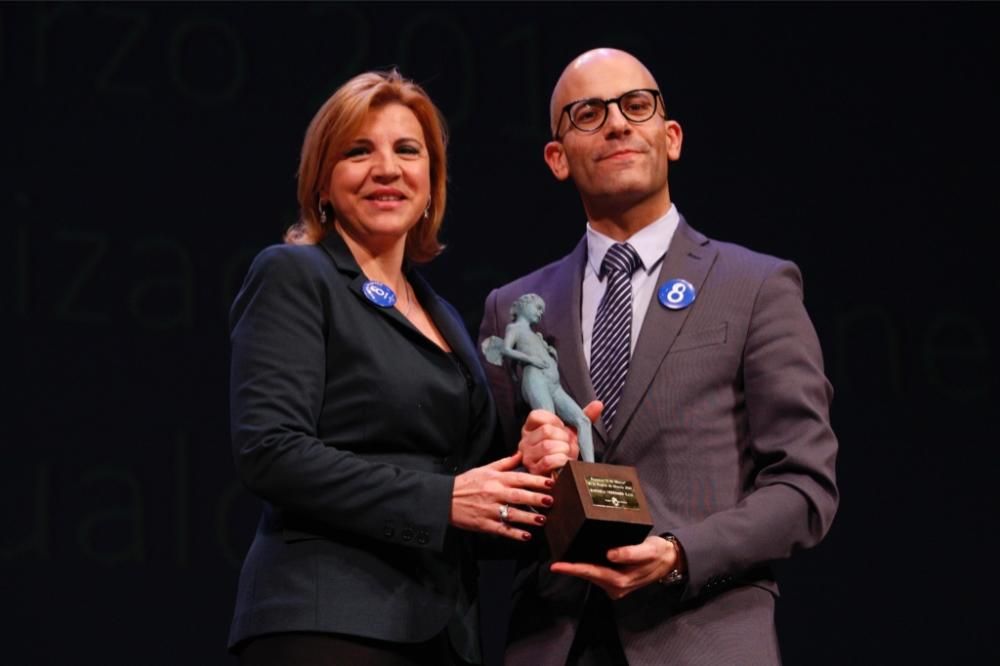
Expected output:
{"points": [[650, 242]]}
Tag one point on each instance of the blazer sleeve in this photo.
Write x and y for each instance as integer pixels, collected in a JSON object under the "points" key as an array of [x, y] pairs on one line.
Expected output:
{"points": [[277, 383], [791, 443]]}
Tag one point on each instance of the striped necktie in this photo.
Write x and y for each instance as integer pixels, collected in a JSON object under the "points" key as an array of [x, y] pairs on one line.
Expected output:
{"points": [[611, 341]]}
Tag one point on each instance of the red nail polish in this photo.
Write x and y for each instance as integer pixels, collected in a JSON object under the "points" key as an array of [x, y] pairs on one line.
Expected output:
{"points": [[547, 501], [525, 537], [540, 520], [549, 483]]}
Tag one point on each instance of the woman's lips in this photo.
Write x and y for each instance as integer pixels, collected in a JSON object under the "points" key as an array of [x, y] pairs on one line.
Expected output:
{"points": [[386, 199], [385, 204]]}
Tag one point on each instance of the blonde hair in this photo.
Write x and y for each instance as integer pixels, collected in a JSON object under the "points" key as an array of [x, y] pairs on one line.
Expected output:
{"points": [[336, 124]]}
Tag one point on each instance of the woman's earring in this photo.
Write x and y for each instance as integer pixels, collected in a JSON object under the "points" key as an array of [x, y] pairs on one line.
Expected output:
{"points": [[322, 214], [427, 210]]}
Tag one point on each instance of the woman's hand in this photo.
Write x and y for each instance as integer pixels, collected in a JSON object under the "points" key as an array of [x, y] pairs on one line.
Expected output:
{"points": [[484, 499]]}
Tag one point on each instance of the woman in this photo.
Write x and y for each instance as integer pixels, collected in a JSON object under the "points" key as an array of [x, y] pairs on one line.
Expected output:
{"points": [[360, 411]]}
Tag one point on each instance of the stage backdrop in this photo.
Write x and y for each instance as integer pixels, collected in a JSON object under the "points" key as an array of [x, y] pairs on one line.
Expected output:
{"points": [[149, 151]]}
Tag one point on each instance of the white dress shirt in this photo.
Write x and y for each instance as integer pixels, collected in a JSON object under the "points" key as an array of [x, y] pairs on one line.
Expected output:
{"points": [[651, 243]]}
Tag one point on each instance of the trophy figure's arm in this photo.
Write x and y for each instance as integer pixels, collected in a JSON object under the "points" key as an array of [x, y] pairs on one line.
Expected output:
{"points": [[510, 350]]}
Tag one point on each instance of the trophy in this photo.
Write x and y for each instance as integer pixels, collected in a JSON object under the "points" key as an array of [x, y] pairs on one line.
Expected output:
{"points": [[597, 506]]}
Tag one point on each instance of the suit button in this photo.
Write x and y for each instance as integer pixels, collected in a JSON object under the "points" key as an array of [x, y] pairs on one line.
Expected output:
{"points": [[388, 531], [407, 534], [423, 537]]}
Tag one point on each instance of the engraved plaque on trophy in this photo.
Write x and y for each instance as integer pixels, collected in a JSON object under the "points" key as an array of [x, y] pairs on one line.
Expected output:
{"points": [[597, 506]]}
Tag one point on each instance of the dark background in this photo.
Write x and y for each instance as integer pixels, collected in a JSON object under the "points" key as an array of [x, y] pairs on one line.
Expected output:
{"points": [[149, 151]]}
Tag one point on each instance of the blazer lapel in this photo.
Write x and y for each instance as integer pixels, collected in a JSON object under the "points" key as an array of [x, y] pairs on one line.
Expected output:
{"points": [[562, 320], [446, 320], [346, 264], [453, 329], [690, 257]]}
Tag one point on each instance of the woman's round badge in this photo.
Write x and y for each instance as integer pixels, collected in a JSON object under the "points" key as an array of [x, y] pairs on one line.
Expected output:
{"points": [[676, 294], [379, 294]]}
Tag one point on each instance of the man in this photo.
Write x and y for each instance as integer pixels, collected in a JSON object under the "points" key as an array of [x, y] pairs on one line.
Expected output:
{"points": [[712, 383]]}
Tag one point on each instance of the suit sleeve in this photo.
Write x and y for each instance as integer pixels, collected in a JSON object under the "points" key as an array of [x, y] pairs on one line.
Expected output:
{"points": [[277, 383], [793, 448], [504, 390]]}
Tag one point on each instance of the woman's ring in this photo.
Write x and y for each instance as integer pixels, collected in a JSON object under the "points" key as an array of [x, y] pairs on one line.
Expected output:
{"points": [[504, 513]]}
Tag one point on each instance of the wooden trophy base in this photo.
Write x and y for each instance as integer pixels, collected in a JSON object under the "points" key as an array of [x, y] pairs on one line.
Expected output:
{"points": [[597, 507]]}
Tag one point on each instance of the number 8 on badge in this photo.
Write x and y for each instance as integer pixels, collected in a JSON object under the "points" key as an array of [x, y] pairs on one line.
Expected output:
{"points": [[676, 294]]}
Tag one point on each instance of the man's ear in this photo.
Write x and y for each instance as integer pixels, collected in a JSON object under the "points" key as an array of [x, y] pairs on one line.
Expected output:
{"points": [[675, 137], [555, 157]]}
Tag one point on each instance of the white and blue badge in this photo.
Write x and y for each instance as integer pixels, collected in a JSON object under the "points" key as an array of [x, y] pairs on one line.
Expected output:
{"points": [[676, 294], [379, 294]]}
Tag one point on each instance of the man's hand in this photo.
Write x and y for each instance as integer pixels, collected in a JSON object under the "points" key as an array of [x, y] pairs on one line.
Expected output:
{"points": [[633, 567], [547, 443]]}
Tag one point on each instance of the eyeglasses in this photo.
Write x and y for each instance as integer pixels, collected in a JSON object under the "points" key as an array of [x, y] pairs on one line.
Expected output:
{"points": [[589, 115]]}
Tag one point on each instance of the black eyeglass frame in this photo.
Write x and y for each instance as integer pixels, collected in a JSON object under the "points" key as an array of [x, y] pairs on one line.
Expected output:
{"points": [[657, 102]]}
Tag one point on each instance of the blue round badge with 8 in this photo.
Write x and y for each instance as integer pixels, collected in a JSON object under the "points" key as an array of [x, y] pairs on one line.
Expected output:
{"points": [[676, 294], [379, 294]]}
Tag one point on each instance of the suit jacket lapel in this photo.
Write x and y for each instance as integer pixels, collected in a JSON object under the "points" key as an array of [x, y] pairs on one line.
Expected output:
{"points": [[690, 257], [562, 320], [346, 264], [451, 327], [444, 317]]}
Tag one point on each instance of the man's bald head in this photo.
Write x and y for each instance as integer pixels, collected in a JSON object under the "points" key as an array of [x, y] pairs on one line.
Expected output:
{"points": [[589, 70], [618, 165]]}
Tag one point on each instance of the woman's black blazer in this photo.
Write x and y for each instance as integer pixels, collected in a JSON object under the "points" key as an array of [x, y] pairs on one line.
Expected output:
{"points": [[351, 426]]}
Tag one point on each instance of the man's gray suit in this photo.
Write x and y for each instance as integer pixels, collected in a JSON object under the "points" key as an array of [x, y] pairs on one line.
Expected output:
{"points": [[725, 414]]}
